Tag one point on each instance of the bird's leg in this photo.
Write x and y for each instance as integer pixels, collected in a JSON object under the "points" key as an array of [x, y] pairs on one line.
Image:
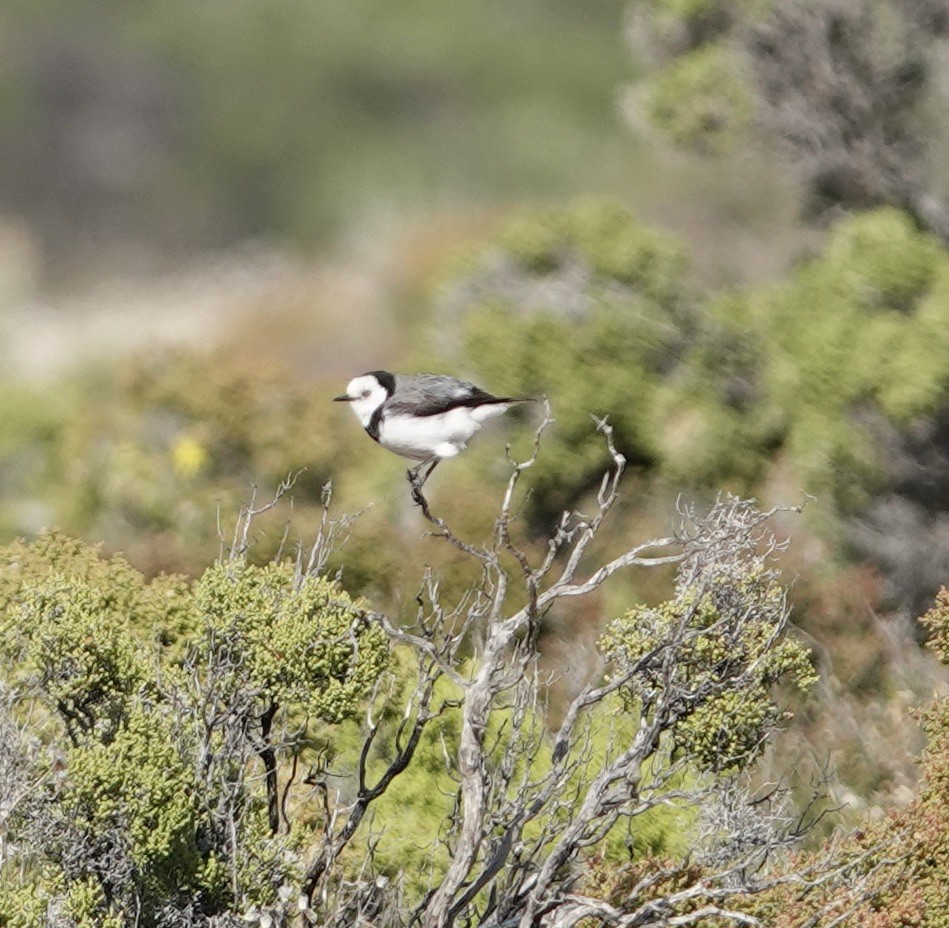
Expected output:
{"points": [[412, 473], [417, 482], [428, 473]]}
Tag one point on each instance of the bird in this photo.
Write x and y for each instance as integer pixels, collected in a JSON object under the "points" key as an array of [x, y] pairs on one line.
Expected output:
{"points": [[423, 417]]}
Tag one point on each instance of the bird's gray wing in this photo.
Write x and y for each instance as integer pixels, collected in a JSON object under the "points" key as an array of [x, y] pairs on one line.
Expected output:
{"points": [[430, 394]]}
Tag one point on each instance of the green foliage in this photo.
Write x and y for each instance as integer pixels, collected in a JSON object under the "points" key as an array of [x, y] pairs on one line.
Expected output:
{"points": [[607, 242], [87, 666], [588, 306], [86, 906], [22, 904], [31, 420], [76, 629], [142, 675], [682, 9], [719, 643], [700, 100], [690, 11], [936, 622], [257, 636], [862, 323], [818, 374], [140, 786], [295, 641], [861, 331], [829, 367], [825, 366], [153, 451], [146, 454]]}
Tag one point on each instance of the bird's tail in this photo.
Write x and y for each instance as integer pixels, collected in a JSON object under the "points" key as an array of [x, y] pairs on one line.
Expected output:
{"points": [[497, 406]]}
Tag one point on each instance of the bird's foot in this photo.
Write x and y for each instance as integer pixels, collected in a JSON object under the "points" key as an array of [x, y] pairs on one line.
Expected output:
{"points": [[416, 482]]}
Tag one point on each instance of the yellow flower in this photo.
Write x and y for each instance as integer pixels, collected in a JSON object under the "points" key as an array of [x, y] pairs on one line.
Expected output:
{"points": [[188, 456]]}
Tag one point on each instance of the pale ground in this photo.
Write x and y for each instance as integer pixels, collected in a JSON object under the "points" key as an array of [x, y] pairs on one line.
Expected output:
{"points": [[336, 314], [337, 311]]}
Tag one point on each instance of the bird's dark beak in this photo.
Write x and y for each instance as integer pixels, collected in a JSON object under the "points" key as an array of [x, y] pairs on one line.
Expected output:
{"points": [[343, 399]]}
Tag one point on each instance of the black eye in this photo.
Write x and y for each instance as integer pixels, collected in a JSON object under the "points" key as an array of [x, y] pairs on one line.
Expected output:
{"points": [[365, 392]]}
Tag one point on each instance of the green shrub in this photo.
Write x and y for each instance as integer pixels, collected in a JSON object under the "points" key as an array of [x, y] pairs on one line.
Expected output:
{"points": [[730, 662], [140, 786], [297, 642], [82, 633], [587, 306], [158, 796], [700, 101]]}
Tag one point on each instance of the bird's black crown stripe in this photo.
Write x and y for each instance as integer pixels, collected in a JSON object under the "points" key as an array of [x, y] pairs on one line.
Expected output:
{"points": [[386, 379]]}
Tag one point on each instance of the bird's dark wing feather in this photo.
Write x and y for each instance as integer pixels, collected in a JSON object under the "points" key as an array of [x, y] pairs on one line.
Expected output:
{"points": [[431, 394]]}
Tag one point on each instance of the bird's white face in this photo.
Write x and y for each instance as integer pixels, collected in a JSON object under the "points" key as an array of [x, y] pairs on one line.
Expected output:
{"points": [[364, 395]]}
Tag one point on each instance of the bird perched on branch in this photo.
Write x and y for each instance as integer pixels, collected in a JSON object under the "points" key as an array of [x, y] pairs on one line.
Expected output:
{"points": [[425, 417]]}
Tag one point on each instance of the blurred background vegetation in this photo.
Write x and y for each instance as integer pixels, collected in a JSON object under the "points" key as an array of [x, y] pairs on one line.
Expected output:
{"points": [[198, 125], [213, 215]]}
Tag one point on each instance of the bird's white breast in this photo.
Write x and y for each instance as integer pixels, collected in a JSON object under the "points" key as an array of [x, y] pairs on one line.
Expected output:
{"points": [[439, 436]]}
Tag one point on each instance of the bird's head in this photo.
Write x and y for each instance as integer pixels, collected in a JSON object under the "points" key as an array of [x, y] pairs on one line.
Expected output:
{"points": [[366, 393]]}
